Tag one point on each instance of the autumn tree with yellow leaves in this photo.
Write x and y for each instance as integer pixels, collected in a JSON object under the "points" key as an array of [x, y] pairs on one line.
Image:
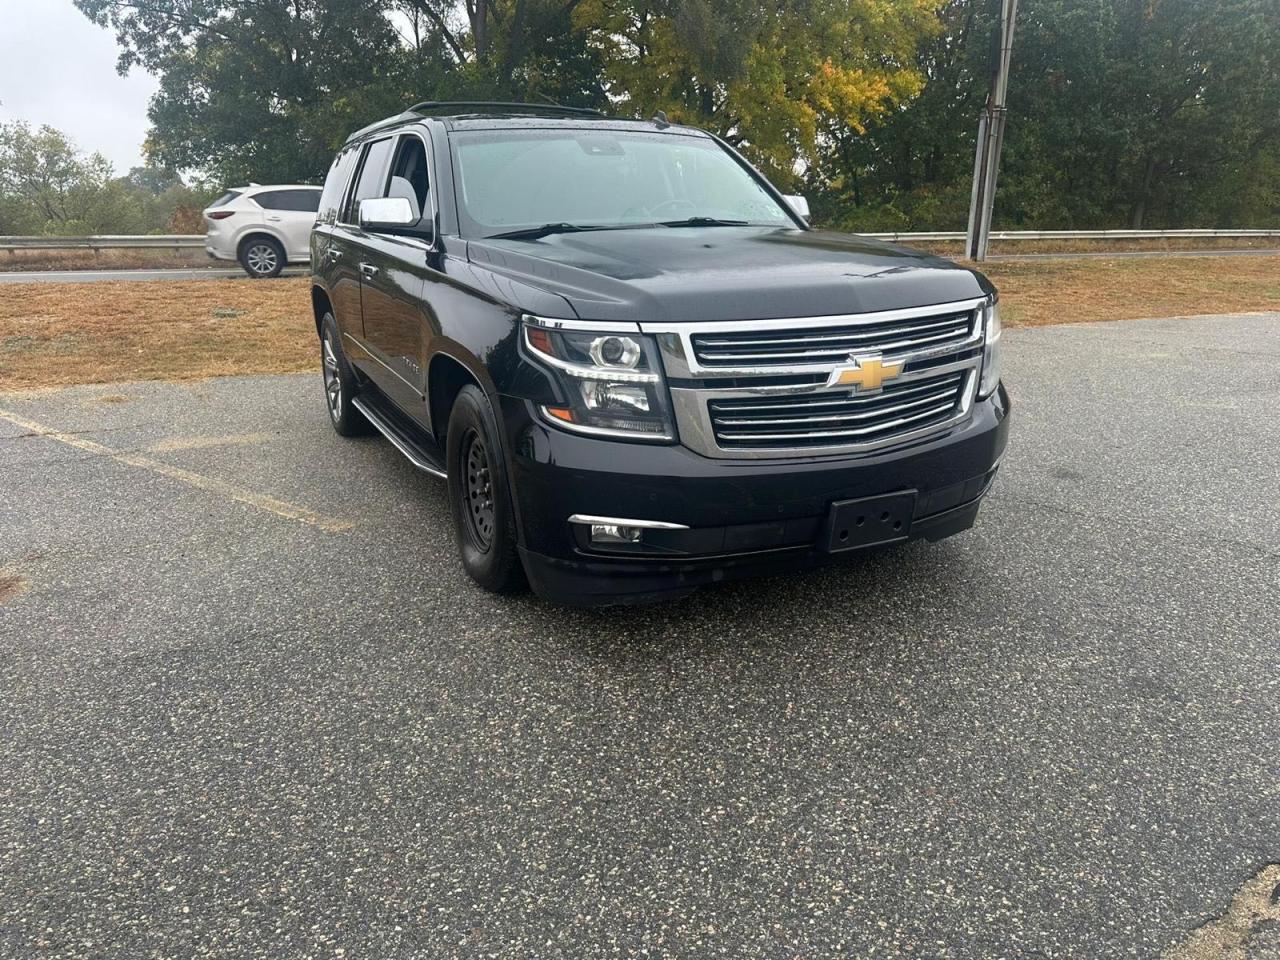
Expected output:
{"points": [[774, 79]]}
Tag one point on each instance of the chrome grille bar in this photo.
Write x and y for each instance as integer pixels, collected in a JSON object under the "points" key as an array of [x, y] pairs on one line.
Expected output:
{"points": [[837, 353], [949, 396], [832, 344], [830, 434], [833, 336], [801, 404]]}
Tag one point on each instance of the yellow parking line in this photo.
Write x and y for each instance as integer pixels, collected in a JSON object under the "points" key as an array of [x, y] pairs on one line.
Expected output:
{"points": [[281, 508]]}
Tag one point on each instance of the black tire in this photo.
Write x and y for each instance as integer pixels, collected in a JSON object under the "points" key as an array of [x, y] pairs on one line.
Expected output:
{"points": [[340, 384], [480, 494], [262, 257]]}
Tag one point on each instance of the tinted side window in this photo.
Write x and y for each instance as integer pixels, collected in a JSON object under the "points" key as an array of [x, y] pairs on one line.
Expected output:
{"points": [[335, 185], [304, 201], [271, 200], [373, 177]]}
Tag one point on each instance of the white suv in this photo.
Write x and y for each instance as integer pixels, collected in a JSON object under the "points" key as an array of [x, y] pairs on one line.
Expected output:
{"points": [[262, 227]]}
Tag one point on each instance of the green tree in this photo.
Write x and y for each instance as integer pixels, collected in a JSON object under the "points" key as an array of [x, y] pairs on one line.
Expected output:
{"points": [[46, 185], [265, 90], [509, 49], [1121, 113], [257, 89]]}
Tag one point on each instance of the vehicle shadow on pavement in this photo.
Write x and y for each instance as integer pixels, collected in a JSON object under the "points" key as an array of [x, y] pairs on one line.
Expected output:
{"points": [[858, 602]]}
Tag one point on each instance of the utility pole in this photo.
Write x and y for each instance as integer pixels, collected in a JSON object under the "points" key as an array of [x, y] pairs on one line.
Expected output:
{"points": [[986, 165]]}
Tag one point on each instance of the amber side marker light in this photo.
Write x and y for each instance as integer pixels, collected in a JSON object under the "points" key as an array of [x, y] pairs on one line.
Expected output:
{"points": [[560, 413], [540, 340]]}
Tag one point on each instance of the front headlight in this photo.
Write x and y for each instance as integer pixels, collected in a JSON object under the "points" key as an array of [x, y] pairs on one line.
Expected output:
{"points": [[612, 382], [990, 351]]}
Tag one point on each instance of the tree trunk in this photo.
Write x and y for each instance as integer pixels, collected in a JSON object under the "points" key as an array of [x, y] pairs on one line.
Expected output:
{"points": [[480, 30], [516, 37], [1140, 203]]}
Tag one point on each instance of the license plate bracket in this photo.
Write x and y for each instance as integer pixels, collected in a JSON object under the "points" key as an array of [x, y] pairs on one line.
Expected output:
{"points": [[869, 521]]}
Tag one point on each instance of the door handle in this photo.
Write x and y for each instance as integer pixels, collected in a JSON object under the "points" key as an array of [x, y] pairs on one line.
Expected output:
{"points": [[368, 269], [274, 219], [333, 254]]}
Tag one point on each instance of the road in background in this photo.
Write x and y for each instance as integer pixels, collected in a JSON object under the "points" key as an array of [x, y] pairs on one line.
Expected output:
{"points": [[1134, 255], [252, 707], [94, 276]]}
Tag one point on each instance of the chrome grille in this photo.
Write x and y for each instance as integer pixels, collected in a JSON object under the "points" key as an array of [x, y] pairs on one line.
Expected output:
{"points": [[789, 347], [771, 388], [808, 420]]}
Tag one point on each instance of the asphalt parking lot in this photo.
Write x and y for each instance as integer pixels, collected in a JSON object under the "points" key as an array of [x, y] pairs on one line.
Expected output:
{"points": [[251, 706]]}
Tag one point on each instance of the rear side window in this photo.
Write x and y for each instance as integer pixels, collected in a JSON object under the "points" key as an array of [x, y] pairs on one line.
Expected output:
{"points": [[226, 198], [305, 201], [373, 177], [335, 185]]}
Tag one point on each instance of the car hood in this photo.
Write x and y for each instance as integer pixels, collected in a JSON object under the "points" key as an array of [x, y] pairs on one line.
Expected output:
{"points": [[724, 273]]}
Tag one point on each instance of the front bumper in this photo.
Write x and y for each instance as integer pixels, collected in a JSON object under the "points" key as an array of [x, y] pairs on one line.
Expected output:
{"points": [[745, 517]]}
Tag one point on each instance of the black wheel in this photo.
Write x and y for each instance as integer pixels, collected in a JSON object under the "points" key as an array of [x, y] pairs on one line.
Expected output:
{"points": [[262, 257], [480, 494], [340, 384]]}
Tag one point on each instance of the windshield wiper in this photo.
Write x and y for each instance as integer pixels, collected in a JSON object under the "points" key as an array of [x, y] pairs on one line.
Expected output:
{"points": [[536, 233], [703, 222]]}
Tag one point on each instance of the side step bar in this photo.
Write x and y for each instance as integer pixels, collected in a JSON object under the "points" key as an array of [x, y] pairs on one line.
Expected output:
{"points": [[420, 452]]}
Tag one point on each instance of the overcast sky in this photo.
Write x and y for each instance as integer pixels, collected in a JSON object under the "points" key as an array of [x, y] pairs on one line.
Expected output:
{"points": [[57, 67]]}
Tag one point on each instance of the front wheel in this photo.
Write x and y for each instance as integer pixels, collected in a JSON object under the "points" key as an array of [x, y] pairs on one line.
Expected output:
{"points": [[480, 494]]}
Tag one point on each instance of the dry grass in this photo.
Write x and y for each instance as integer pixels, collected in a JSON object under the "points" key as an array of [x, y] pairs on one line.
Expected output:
{"points": [[55, 334], [1080, 291], [955, 248], [60, 334], [107, 260]]}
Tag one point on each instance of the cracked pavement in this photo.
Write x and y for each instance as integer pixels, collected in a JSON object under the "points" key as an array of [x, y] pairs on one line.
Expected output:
{"points": [[251, 707]]}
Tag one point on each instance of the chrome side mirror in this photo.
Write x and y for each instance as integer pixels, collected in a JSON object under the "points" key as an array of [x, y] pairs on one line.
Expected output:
{"points": [[386, 213], [800, 205]]}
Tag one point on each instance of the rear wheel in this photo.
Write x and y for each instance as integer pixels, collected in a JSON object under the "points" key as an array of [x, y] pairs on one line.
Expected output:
{"points": [[262, 257], [339, 382], [480, 494]]}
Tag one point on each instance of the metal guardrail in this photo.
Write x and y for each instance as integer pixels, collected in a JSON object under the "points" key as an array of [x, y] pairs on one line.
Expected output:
{"points": [[173, 241], [1082, 235], [188, 241]]}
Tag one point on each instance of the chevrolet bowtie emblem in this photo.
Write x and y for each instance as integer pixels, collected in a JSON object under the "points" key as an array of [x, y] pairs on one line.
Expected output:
{"points": [[866, 373]]}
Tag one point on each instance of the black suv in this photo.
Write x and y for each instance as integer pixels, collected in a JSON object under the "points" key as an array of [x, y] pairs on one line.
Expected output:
{"points": [[636, 366]]}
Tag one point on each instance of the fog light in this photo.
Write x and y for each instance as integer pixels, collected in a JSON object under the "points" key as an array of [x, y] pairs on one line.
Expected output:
{"points": [[613, 533], [622, 535]]}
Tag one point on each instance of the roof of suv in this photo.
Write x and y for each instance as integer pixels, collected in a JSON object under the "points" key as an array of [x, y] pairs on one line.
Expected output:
{"points": [[479, 115], [604, 123]]}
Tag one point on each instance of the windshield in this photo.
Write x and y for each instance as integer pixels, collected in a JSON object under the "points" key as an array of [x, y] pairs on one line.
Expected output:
{"points": [[514, 179]]}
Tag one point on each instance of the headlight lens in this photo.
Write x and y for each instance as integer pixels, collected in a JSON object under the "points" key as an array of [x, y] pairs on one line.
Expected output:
{"points": [[990, 352], [612, 382]]}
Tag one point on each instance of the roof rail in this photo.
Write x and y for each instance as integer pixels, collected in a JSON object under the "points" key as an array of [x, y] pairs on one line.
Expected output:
{"points": [[387, 122], [500, 106], [476, 106]]}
